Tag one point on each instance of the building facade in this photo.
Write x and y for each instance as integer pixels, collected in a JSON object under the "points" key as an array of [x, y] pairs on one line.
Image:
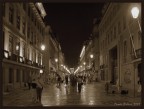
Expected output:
{"points": [[120, 46], [23, 34]]}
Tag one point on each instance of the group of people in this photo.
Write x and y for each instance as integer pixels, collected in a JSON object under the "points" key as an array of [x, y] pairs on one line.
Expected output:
{"points": [[36, 86], [75, 81]]}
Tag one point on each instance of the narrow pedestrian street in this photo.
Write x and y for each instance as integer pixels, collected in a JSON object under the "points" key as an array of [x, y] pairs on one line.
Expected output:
{"points": [[71, 54], [93, 94]]}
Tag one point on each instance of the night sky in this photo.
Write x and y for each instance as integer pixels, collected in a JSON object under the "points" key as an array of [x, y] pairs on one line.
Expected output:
{"points": [[72, 23]]}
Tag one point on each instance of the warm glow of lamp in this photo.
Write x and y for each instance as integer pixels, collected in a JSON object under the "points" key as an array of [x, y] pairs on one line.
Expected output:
{"points": [[17, 47], [56, 60], [41, 71], [84, 63], [43, 47], [21, 59], [91, 56], [135, 12], [6, 54]]}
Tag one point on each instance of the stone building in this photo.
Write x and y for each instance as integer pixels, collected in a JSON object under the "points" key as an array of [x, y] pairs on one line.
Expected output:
{"points": [[120, 46], [23, 34]]}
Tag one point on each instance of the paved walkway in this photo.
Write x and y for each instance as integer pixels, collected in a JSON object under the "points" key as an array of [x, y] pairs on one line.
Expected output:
{"points": [[92, 94]]}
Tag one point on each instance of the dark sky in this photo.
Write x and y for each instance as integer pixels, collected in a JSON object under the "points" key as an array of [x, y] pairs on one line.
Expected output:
{"points": [[72, 23]]}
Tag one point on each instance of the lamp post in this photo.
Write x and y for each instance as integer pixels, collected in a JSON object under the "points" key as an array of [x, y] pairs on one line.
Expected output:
{"points": [[135, 14]]}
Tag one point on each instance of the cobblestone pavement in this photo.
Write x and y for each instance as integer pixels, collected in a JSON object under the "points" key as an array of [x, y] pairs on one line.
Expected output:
{"points": [[93, 94]]}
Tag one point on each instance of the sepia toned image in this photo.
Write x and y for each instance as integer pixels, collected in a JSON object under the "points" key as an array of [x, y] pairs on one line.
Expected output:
{"points": [[71, 54]]}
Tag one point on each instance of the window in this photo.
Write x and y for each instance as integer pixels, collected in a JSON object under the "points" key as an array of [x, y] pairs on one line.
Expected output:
{"points": [[11, 13], [23, 49], [23, 76], [17, 47], [32, 17], [39, 58], [3, 9], [17, 75], [33, 56], [10, 44], [119, 28], [28, 11], [124, 22], [31, 37], [114, 32], [28, 53], [10, 75], [35, 22], [28, 33], [125, 49], [23, 25], [18, 20], [111, 35], [24, 6], [35, 39], [108, 39]]}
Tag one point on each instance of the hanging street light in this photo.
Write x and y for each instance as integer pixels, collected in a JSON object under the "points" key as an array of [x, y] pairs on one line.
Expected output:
{"points": [[135, 12], [42, 47]]}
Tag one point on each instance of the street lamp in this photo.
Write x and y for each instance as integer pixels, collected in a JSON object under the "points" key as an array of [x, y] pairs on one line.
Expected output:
{"points": [[91, 56], [41, 71], [135, 14], [56, 60], [42, 47]]}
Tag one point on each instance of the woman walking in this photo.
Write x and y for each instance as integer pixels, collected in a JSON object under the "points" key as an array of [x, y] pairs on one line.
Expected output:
{"points": [[33, 90], [39, 89], [80, 83]]}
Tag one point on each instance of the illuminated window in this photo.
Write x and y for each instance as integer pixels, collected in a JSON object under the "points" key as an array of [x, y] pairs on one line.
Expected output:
{"points": [[17, 47], [10, 44], [23, 49]]}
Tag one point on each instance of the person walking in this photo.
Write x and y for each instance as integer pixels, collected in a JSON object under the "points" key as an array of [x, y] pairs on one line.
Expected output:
{"points": [[58, 80], [39, 88], [74, 82], [33, 90], [80, 83], [66, 80]]}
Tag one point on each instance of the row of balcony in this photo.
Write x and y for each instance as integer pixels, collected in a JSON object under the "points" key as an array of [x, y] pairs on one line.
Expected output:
{"points": [[19, 59]]}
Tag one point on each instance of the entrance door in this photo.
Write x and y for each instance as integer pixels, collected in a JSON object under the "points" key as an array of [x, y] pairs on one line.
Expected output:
{"points": [[113, 65]]}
